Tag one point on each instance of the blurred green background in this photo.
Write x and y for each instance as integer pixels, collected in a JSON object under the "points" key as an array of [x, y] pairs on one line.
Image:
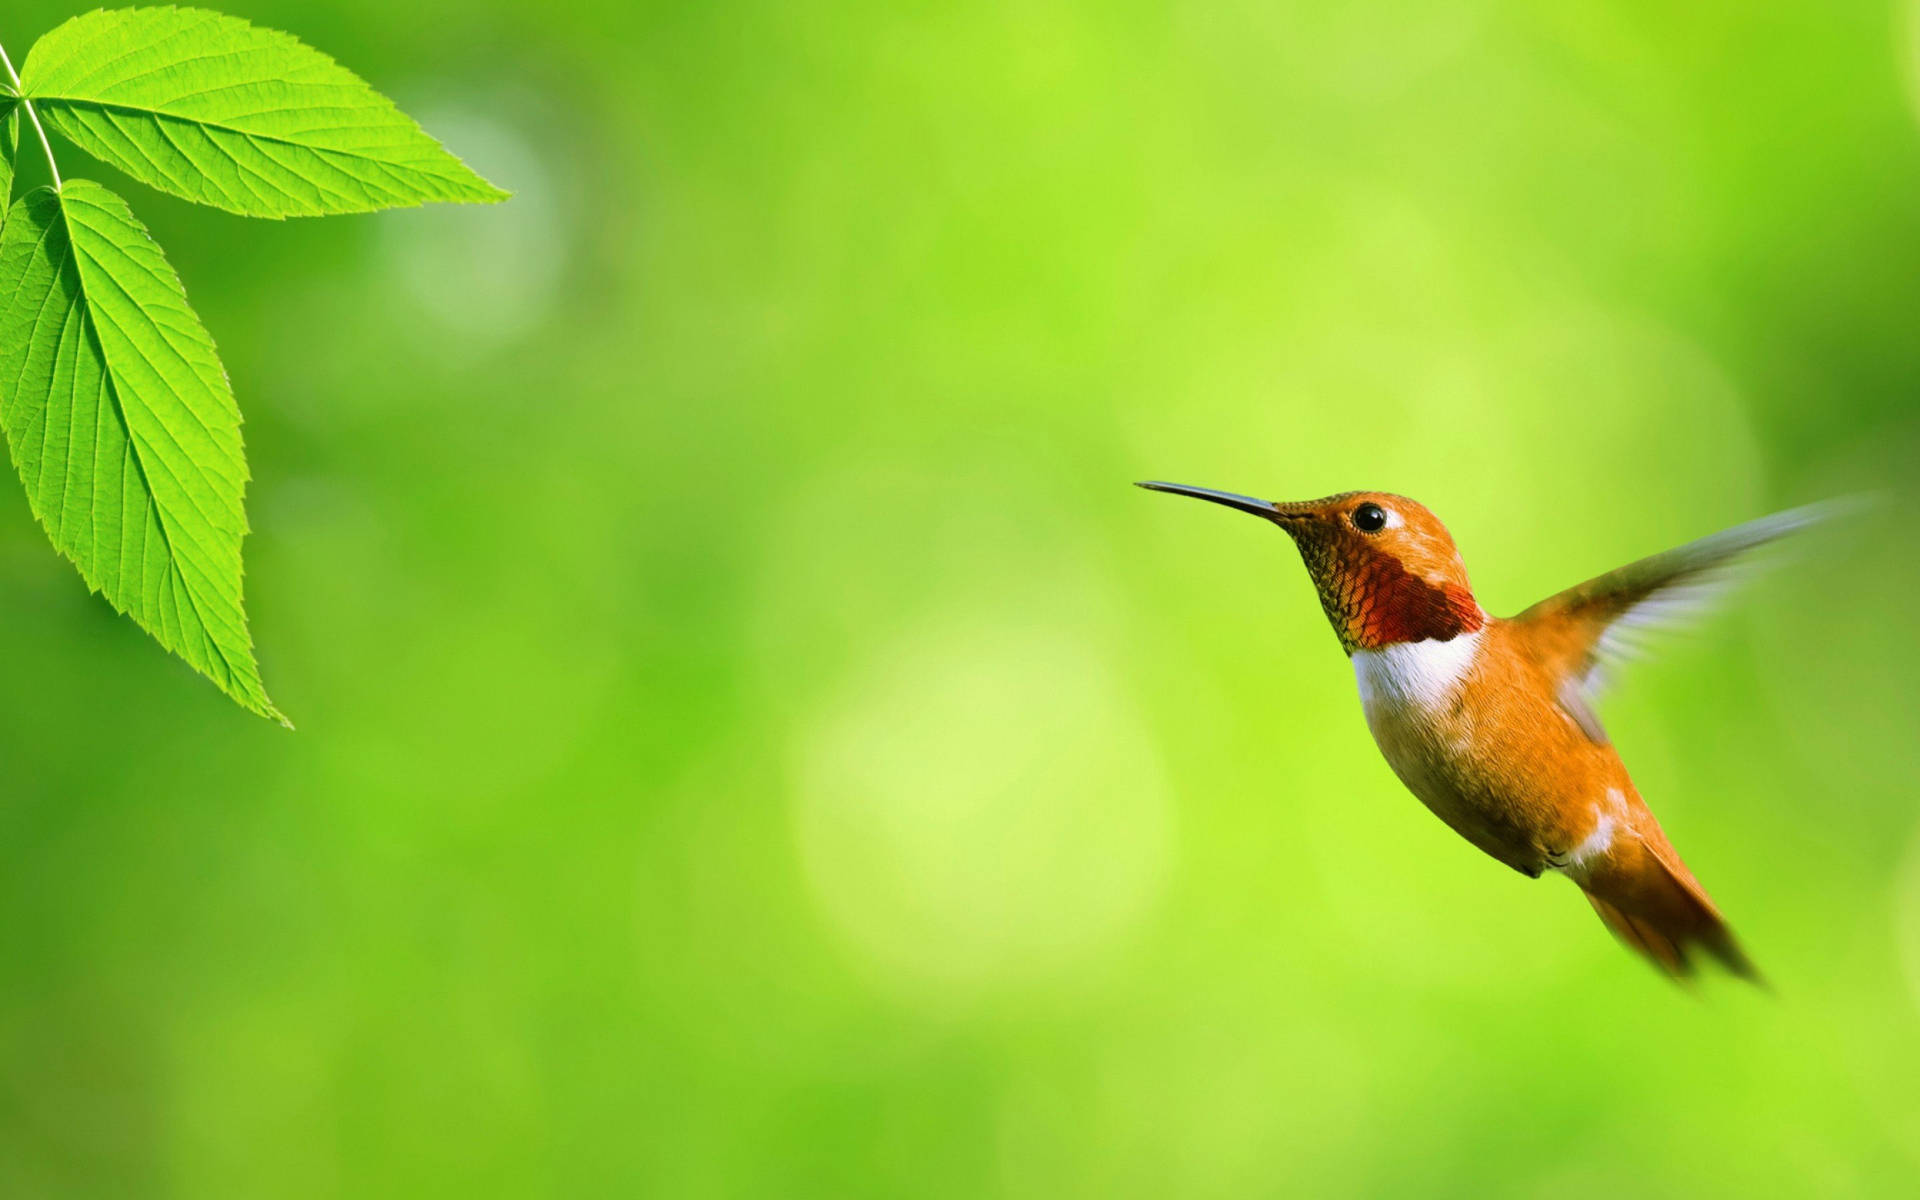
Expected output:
{"points": [[754, 742]]}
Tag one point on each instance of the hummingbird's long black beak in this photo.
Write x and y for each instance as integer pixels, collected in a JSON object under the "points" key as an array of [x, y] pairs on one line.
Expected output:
{"points": [[1246, 504]]}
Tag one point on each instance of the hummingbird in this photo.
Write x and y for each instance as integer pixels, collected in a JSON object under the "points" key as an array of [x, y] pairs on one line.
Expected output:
{"points": [[1490, 721]]}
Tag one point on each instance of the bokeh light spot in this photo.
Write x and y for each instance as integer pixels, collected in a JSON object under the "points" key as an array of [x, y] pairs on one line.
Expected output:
{"points": [[492, 271], [980, 809]]}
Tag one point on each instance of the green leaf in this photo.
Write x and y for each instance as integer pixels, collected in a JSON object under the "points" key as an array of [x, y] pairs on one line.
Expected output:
{"points": [[9, 146], [221, 112], [122, 426]]}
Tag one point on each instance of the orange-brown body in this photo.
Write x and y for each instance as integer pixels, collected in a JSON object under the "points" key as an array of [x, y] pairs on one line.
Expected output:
{"points": [[1489, 722], [1499, 761], [1508, 769]]}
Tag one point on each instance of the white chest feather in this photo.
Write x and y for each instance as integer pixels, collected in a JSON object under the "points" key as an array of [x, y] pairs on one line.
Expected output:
{"points": [[1413, 678]]}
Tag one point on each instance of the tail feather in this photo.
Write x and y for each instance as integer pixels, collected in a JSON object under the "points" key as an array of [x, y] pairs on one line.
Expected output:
{"points": [[1653, 904]]}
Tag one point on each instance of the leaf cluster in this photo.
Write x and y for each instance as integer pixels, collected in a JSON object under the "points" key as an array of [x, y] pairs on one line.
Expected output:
{"points": [[117, 412]]}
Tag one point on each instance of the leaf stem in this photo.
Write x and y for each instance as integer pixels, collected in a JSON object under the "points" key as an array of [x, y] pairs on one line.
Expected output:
{"points": [[31, 116]]}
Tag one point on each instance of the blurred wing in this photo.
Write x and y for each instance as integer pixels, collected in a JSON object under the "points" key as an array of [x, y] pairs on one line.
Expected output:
{"points": [[1589, 630]]}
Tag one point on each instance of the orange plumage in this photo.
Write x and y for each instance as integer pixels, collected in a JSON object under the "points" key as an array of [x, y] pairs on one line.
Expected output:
{"points": [[1489, 721]]}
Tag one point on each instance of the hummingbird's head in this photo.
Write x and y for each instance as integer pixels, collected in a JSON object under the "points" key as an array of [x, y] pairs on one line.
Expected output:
{"points": [[1386, 568]]}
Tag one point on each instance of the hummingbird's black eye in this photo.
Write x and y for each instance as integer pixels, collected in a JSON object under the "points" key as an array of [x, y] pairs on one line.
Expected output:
{"points": [[1369, 518]]}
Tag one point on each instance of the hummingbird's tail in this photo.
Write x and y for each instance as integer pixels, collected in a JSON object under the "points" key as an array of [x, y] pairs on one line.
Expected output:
{"points": [[1646, 895]]}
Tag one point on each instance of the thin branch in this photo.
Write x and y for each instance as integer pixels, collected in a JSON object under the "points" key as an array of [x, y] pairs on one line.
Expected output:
{"points": [[31, 116]]}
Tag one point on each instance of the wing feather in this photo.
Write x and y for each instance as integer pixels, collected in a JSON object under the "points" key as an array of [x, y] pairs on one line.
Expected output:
{"points": [[1588, 631]]}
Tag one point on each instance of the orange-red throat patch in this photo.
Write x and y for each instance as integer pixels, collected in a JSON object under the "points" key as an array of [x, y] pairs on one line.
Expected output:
{"points": [[1377, 602]]}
